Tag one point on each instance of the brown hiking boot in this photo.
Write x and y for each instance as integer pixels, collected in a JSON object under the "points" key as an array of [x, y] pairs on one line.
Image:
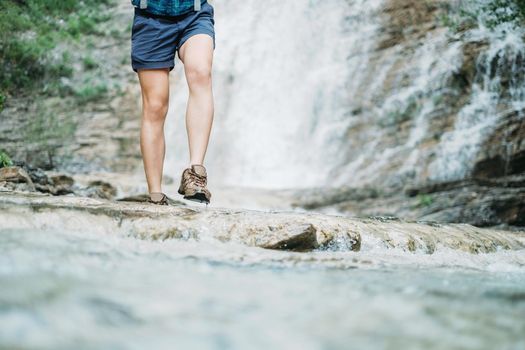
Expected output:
{"points": [[193, 184], [158, 198]]}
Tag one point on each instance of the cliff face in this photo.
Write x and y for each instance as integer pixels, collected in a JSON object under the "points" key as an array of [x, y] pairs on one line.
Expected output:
{"points": [[438, 128], [92, 120], [436, 104]]}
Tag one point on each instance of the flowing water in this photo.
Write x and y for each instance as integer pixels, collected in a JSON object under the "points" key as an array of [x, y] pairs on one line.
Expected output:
{"points": [[283, 74], [306, 97], [63, 290]]}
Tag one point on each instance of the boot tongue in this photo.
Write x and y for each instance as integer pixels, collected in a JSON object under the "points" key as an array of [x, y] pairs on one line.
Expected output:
{"points": [[199, 170]]}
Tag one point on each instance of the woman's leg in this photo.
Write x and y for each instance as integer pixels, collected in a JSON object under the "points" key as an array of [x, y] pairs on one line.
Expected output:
{"points": [[155, 95], [197, 56]]}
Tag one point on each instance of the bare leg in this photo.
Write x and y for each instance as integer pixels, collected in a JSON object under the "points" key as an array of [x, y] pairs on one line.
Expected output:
{"points": [[197, 56], [155, 94]]}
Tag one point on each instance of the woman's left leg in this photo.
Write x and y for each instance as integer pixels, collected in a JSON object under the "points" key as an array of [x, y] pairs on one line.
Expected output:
{"points": [[197, 55]]}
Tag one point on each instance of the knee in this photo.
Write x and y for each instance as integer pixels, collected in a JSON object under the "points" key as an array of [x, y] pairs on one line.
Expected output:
{"points": [[198, 75], [155, 109]]}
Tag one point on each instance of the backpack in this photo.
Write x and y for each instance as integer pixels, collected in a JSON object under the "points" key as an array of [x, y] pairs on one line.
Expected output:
{"points": [[168, 7]]}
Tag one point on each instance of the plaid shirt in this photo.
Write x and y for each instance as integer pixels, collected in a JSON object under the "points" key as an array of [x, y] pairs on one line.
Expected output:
{"points": [[168, 7]]}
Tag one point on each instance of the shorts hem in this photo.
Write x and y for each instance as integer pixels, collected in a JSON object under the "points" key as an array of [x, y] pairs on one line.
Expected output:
{"points": [[195, 32], [153, 65]]}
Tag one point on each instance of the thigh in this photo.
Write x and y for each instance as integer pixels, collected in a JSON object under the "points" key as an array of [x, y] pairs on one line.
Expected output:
{"points": [[155, 85], [197, 51], [197, 40]]}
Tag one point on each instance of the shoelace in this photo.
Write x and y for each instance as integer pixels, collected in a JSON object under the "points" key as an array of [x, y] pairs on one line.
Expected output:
{"points": [[197, 180]]}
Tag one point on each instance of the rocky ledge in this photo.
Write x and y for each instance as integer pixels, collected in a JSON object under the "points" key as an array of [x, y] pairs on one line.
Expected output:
{"points": [[273, 230], [481, 202]]}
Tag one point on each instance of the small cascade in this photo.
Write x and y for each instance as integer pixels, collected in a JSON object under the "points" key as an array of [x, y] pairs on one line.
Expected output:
{"points": [[498, 89]]}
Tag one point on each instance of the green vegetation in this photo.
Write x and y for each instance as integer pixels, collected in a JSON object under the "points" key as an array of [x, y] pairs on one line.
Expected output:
{"points": [[2, 100], [490, 13], [89, 63], [5, 160], [89, 92], [31, 31], [424, 200], [505, 11]]}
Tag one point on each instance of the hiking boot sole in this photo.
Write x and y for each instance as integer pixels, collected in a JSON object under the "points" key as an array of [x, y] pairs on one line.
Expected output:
{"points": [[197, 197]]}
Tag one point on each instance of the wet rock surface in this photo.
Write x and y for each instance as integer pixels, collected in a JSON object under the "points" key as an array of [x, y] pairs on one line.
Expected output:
{"points": [[477, 201], [27, 178], [271, 230], [16, 178]]}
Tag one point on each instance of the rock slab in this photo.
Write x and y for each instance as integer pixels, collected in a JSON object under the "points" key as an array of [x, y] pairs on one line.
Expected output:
{"points": [[271, 230]]}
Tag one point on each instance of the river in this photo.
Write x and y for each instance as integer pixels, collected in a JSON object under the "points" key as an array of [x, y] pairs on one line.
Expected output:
{"points": [[74, 290]]}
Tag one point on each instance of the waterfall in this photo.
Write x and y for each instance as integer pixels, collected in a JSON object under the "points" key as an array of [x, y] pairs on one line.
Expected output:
{"points": [[307, 96], [283, 74], [499, 87]]}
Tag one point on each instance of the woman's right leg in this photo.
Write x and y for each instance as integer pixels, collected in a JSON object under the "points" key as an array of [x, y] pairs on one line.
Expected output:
{"points": [[155, 95]]}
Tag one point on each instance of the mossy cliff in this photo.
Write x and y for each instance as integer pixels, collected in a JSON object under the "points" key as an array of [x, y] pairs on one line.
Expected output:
{"points": [[66, 87]]}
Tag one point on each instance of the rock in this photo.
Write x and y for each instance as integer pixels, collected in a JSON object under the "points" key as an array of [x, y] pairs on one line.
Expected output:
{"points": [[98, 189], [477, 201], [143, 198], [407, 21], [303, 239], [57, 185], [17, 177], [275, 230], [63, 184], [503, 152], [285, 231]]}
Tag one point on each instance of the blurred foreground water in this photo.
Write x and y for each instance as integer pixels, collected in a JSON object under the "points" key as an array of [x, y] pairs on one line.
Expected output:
{"points": [[71, 290]]}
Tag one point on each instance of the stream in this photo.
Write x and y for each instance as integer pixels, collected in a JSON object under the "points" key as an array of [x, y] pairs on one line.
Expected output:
{"points": [[74, 290]]}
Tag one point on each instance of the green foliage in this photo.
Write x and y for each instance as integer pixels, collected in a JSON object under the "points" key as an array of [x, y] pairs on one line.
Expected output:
{"points": [[90, 92], [2, 100], [90, 63], [504, 11], [490, 13], [85, 22], [424, 200], [5, 161], [32, 29]]}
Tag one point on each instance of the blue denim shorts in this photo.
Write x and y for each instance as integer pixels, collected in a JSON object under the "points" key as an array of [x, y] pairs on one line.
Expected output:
{"points": [[155, 39]]}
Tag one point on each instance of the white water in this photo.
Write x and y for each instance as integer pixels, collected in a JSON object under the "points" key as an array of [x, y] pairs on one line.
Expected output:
{"points": [[283, 75], [289, 74], [487, 106], [66, 290]]}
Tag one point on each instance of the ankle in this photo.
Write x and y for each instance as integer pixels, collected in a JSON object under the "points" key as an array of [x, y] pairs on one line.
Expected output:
{"points": [[156, 196]]}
